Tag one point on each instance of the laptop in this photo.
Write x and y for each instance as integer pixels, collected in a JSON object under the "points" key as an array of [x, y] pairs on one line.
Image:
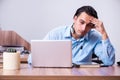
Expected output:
{"points": [[51, 53]]}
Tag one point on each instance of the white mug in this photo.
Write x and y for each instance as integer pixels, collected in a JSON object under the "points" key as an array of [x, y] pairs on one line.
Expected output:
{"points": [[11, 60]]}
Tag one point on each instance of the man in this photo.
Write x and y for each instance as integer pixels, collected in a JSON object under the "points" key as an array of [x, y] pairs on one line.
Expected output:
{"points": [[88, 36]]}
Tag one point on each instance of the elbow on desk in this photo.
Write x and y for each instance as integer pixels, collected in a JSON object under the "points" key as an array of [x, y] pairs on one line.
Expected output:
{"points": [[109, 62]]}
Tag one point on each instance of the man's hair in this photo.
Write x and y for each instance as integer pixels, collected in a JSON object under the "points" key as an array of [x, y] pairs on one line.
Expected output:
{"points": [[87, 9]]}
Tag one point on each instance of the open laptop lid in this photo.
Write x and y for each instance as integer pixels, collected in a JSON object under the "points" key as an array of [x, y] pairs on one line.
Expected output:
{"points": [[51, 53]]}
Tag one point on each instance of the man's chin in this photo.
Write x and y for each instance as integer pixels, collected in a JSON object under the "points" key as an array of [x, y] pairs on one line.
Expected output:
{"points": [[80, 35]]}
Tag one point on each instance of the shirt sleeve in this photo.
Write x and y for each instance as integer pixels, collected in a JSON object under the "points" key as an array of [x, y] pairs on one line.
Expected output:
{"points": [[105, 51], [50, 35]]}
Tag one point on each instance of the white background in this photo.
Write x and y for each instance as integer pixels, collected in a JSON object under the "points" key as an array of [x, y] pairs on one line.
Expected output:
{"points": [[32, 19]]}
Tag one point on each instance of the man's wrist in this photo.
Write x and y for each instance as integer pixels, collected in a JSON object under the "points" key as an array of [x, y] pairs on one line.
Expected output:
{"points": [[104, 36]]}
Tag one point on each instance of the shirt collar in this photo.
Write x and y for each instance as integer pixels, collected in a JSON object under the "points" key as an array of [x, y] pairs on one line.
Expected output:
{"points": [[68, 34], [85, 37]]}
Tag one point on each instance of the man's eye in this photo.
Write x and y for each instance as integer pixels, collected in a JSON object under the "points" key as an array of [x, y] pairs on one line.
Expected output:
{"points": [[91, 25], [82, 22]]}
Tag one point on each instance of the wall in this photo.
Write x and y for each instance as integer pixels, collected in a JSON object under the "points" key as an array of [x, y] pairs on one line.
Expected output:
{"points": [[32, 19]]}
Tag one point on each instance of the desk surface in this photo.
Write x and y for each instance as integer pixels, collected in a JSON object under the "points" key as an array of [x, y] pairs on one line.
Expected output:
{"points": [[28, 72]]}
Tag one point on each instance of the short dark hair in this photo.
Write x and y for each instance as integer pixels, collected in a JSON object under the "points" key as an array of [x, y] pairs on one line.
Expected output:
{"points": [[87, 9]]}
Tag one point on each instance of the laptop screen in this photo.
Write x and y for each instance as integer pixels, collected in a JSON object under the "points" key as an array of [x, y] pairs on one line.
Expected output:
{"points": [[51, 53]]}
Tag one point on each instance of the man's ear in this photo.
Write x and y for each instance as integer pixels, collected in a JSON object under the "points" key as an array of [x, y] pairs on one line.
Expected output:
{"points": [[75, 18]]}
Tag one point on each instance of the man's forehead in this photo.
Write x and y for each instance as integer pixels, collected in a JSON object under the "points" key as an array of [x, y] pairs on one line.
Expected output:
{"points": [[85, 17]]}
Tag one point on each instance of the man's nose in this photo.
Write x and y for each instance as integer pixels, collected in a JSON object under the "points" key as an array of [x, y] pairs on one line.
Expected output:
{"points": [[83, 27]]}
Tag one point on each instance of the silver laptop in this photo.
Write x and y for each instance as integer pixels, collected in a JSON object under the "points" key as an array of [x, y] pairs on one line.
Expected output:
{"points": [[51, 53]]}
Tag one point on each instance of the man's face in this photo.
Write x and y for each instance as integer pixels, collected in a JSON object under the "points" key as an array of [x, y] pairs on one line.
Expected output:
{"points": [[82, 24]]}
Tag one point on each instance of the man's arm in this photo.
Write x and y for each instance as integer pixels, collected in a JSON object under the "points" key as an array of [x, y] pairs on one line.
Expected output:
{"points": [[105, 51]]}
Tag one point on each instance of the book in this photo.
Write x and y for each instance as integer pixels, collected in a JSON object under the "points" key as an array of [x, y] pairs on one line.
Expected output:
{"points": [[90, 65]]}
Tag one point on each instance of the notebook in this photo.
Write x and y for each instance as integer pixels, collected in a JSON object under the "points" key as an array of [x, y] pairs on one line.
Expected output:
{"points": [[51, 53]]}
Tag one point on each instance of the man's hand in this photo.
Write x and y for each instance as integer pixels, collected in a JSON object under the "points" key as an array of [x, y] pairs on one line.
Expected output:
{"points": [[98, 25]]}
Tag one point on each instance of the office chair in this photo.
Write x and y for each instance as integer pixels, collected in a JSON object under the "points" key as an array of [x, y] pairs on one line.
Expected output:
{"points": [[118, 63], [96, 59]]}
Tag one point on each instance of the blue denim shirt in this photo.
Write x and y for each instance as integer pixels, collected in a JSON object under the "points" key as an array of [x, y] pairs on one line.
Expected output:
{"points": [[83, 48]]}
